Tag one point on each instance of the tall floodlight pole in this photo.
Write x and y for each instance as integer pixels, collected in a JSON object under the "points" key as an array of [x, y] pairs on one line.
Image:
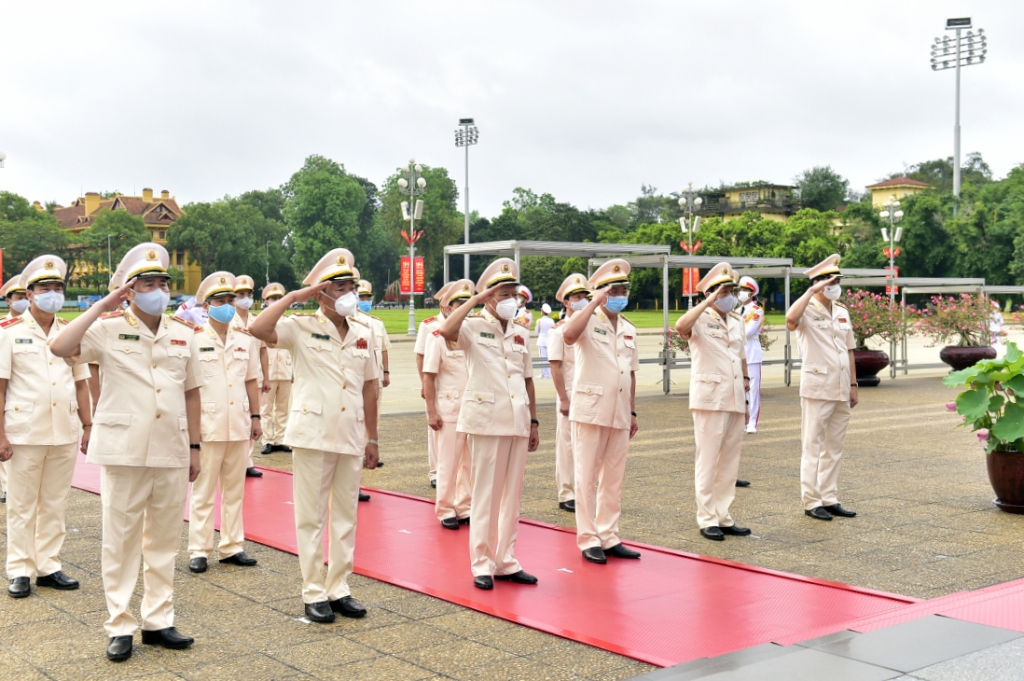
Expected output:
{"points": [[892, 214], [688, 201], [412, 185], [268, 264], [952, 53], [110, 270], [466, 136]]}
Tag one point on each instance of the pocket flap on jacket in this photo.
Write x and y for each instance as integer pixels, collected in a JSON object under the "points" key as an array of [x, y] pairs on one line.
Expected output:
{"points": [[479, 396], [113, 418], [590, 388]]}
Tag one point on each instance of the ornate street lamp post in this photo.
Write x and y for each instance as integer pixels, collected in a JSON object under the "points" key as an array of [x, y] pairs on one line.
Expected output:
{"points": [[688, 201], [892, 214], [412, 185]]}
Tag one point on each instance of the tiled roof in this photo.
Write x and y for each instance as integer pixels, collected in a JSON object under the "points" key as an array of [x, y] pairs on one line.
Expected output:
{"points": [[74, 216], [897, 181]]}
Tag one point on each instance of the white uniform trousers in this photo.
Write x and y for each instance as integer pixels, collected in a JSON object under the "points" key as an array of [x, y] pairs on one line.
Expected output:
{"points": [[823, 426], [431, 454], [543, 351], [274, 413], [600, 469], [3, 476], [564, 465], [40, 481], [499, 464], [754, 396], [325, 483], [142, 518], [717, 437], [454, 473], [222, 465]]}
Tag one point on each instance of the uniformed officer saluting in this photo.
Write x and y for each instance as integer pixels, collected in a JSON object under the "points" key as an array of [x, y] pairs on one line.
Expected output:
{"points": [[14, 293], [828, 387], [42, 401], [145, 438], [229, 357], [718, 382], [603, 410], [444, 385], [501, 429], [332, 428]]}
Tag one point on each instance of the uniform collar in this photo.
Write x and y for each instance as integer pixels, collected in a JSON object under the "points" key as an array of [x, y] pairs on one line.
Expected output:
{"points": [[212, 333]]}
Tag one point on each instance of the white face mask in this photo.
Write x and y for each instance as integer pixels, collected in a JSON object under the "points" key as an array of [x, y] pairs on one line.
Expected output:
{"points": [[578, 305], [243, 303], [833, 292], [49, 302], [347, 304], [152, 302], [744, 296], [726, 304], [20, 306], [507, 308]]}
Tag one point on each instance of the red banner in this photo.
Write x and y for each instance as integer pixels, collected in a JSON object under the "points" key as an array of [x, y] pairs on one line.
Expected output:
{"points": [[408, 278], [691, 277], [892, 289]]}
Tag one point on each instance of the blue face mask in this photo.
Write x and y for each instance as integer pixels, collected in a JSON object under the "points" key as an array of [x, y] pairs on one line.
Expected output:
{"points": [[365, 306], [222, 313], [616, 304]]}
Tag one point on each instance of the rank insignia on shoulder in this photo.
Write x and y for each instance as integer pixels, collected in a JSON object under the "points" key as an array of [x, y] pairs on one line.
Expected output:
{"points": [[244, 330], [175, 341], [23, 340], [486, 334], [207, 349], [436, 333], [518, 340], [600, 331], [182, 321], [107, 315], [361, 344], [9, 322], [523, 321], [127, 336], [198, 329], [357, 320], [321, 336], [431, 320]]}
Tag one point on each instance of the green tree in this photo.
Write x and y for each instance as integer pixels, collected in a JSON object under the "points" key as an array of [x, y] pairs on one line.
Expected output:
{"points": [[822, 188], [26, 233], [125, 231]]}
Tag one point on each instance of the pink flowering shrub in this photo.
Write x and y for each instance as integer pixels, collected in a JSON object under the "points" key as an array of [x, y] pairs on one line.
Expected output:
{"points": [[963, 321], [873, 315]]}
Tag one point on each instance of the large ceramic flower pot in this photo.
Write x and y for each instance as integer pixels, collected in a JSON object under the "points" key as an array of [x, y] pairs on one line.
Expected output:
{"points": [[1006, 473], [868, 363], [963, 357]]}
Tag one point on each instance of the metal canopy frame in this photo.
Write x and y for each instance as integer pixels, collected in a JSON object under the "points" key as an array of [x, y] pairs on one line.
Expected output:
{"points": [[558, 249]]}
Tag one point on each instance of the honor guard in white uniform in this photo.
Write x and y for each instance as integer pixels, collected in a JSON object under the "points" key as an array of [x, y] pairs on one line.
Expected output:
{"points": [[573, 295], [602, 409], [753, 322], [332, 428], [423, 332], [42, 402], [14, 293], [718, 383], [828, 387], [444, 384], [500, 429], [244, 287], [229, 357], [146, 440], [274, 405]]}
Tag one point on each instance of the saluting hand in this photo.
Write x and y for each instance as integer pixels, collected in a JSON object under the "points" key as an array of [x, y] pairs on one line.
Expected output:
{"points": [[114, 299], [820, 286], [304, 294], [601, 294]]}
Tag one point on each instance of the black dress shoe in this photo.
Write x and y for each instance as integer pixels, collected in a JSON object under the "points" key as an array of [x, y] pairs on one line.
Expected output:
{"points": [[620, 551], [320, 612], [464, 521], [736, 531], [380, 463], [569, 506], [3, 497], [483, 582], [348, 607], [363, 496], [521, 577], [239, 559], [595, 554], [433, 483], [168, 638], [819, 513], [119, 649], [837, 509], [20, 587], [713, 533], [197, 564], [58, 580], [267, 449], [742, 483], [283, 448], [253, 473], [450, 523]]}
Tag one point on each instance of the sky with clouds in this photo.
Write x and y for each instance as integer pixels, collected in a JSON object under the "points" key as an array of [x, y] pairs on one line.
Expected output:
{"points": [[584, 100]]}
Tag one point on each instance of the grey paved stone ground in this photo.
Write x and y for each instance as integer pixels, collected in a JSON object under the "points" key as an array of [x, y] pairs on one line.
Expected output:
{"points": [[927, 528]]}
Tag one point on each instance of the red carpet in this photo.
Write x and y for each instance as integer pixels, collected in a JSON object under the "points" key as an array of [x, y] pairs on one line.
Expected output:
{"points": [[666, 608]]}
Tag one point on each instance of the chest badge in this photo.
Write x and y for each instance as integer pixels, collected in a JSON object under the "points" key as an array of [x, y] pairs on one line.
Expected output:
{"points": [[714, 326], [600, 331], [485, 334], [322, 336], [175, 341], [518, 340], [127, 336], [361, 344], [207, 349], [23, 340]]}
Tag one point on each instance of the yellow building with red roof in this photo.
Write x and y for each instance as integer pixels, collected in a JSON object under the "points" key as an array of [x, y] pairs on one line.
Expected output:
{"points": [[899, 187]]}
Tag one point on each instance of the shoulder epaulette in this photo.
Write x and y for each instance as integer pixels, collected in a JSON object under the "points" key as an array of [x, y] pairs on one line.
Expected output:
{"points": [[735, 314], [558, 323], [244, 330], [473, 315], [358, 321], [185, 322], [522, 321], [375, 317], [622, 316], [839, 305], [430, 320], [62, 322], [111, 315], [302, 314], [9, 322]]}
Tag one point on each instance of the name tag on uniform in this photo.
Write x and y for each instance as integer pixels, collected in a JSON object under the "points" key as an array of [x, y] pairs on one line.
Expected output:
{"points": [[207, 349], [484, 334], [127, 336], [175, 341], [321, 336], [22, 340], [819, 319], [361, 344], [714, 326], [518, 340], [600, 331]]}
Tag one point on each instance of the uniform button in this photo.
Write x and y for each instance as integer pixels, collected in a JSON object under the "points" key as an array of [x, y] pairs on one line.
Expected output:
{"points": [[343, 368], [126, 348], [154, 366], [231, 402], [303, 409], [231, 385], [479, 399], [510, 376], [512, 396], [55, 382], [158, 415], [343, 408], [47, 342], [620, 390], [51, 361], [55, 404], [588, 391], [17, 409], [158, 389]]}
